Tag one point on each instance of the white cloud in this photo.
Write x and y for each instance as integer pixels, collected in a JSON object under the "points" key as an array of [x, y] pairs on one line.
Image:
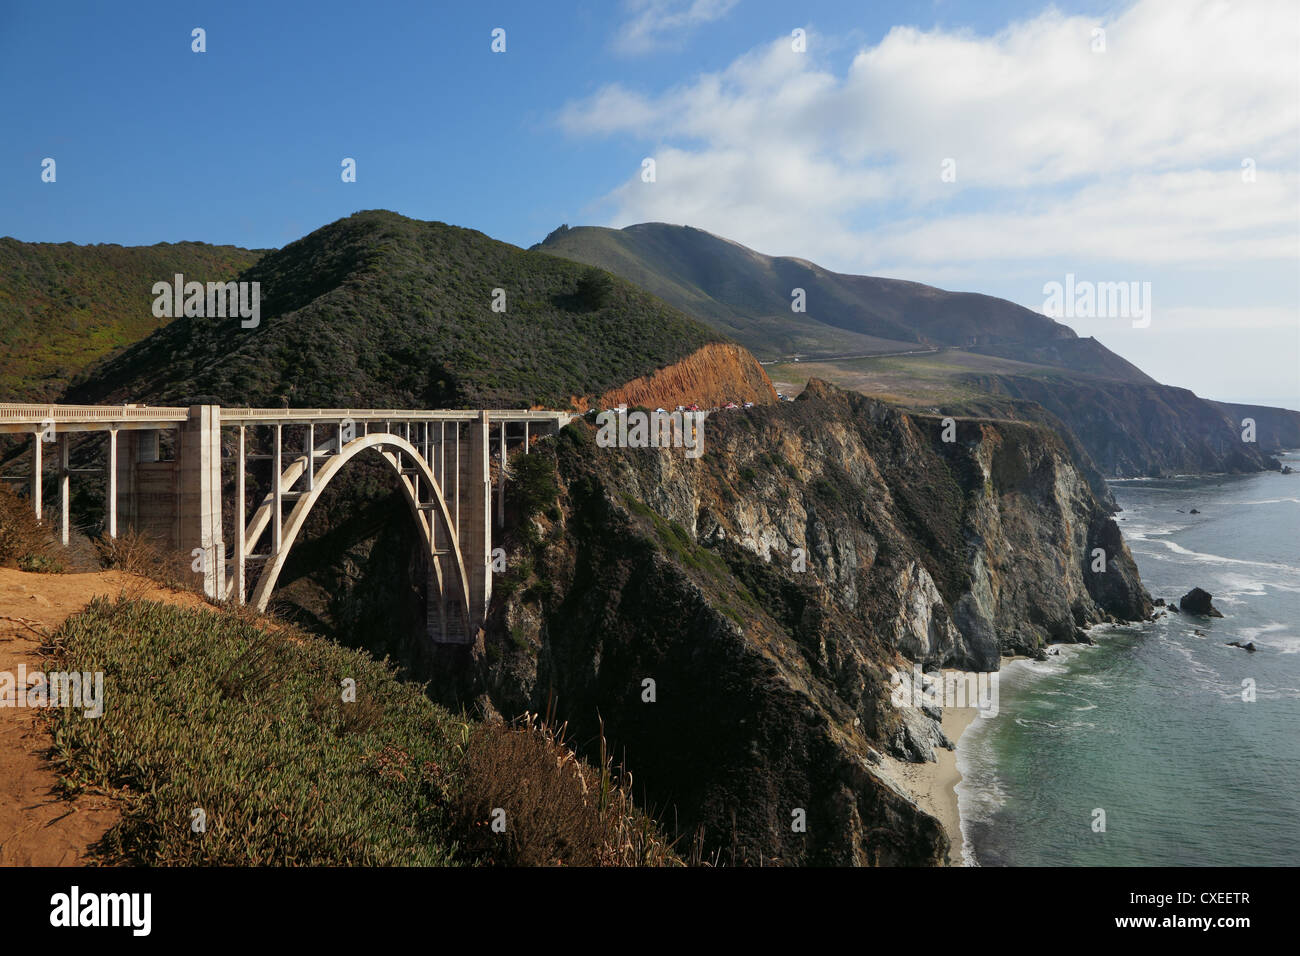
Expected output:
{"points": [[1061, 153], [655, 22]]}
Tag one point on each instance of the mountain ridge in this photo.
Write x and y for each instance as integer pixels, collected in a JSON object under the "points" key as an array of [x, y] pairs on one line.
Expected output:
{"points": [[680, 262], [932, 345]]}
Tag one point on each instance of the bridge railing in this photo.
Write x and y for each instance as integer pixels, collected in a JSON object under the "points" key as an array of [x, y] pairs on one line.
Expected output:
{"points": [[236, 416], [31, 414], [35, 414]]}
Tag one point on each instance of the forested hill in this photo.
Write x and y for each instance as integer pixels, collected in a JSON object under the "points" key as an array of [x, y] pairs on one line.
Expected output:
{"points": [[378, 310], [65, 306]]}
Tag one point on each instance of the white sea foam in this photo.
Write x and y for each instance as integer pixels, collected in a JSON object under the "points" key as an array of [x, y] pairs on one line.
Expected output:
{"points": [[1250, 633], [1200, 674], [1266, 635], [1055, 725], [1234, 584], [1143, 533], [976, 804], [1203, 557]]}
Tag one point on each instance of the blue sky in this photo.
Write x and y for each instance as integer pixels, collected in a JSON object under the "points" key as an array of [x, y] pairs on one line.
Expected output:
{"points": [[1115, 165]]}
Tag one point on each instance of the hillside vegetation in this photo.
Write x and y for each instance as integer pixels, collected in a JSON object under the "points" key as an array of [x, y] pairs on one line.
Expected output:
{"points": [[378, 310], [748, 295], [65, 306], [229, 744]]}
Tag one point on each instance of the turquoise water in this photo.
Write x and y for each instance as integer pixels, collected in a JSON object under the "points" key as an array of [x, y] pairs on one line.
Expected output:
{"points": [[1150, 725]]}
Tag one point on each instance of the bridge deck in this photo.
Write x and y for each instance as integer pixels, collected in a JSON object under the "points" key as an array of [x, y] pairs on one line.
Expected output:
{"points": [[29, 418]]}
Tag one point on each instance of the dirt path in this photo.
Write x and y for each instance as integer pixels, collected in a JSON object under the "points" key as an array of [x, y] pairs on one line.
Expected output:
{"points": [[38, 827]]}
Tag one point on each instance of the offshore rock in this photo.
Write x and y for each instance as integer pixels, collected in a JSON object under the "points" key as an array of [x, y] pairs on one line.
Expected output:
{"points": [[1197, 601]]}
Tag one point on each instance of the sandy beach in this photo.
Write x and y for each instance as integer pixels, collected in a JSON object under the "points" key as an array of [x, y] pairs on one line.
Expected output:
{"points": [[933, 785]]}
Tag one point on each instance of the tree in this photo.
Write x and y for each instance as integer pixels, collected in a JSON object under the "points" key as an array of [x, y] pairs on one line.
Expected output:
{"points": [[594, 288]]}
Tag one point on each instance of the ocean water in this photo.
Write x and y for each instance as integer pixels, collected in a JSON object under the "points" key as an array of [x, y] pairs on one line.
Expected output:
{"points": [[1150, 725]]}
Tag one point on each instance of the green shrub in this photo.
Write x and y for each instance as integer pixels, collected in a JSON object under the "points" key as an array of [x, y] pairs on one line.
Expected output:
{"points": [[534, 484]]}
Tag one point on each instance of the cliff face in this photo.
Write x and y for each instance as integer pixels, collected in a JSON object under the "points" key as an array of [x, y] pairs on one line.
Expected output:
{"points": [[1276, 429], [768, 588], [1134, 430], [711, 376]]}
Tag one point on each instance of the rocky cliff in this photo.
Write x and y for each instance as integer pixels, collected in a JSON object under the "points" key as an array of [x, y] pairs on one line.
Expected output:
{"points": [[733, 619], [1276, 429], [1136, 430]]}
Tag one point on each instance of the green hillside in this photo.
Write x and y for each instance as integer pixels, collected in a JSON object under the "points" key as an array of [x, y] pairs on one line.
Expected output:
{"points": [[380, 310], [64, 306], [748, 296]]}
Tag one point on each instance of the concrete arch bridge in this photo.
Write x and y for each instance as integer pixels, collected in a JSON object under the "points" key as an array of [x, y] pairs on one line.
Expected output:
{"points": [[441, 458]]}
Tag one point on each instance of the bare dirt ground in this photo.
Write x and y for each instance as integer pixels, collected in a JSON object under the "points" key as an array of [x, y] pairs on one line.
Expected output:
{"points": [[37, 826]]}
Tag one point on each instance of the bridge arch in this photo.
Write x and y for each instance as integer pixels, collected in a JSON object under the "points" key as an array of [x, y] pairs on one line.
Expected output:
{"points": [[429, 515]]}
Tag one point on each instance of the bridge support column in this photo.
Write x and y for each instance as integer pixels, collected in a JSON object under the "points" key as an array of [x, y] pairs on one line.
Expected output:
{"points": [[37, 465], [241, 520], [200, 495], [501, 479], [112, 483], [65, 490], [474, 520]]}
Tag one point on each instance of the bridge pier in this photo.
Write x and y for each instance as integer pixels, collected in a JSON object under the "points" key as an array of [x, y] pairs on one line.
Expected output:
{"points": [[65, 490], [37, 465], [112, 482], [145, 488], [476, 535], [198, 470]]}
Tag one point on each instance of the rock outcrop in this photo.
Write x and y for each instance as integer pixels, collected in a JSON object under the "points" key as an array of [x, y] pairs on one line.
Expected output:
{"points": [[711, 376], [734, 619], [1198, 601]]}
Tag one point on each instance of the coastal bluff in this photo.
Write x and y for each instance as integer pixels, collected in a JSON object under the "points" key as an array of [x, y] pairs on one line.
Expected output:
{"points": [[768, 589]]}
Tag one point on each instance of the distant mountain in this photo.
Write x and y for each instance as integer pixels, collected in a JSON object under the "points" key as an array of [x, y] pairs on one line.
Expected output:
{"points": [[925, 349], [380, 310], [749, 296], [65, 306]]}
